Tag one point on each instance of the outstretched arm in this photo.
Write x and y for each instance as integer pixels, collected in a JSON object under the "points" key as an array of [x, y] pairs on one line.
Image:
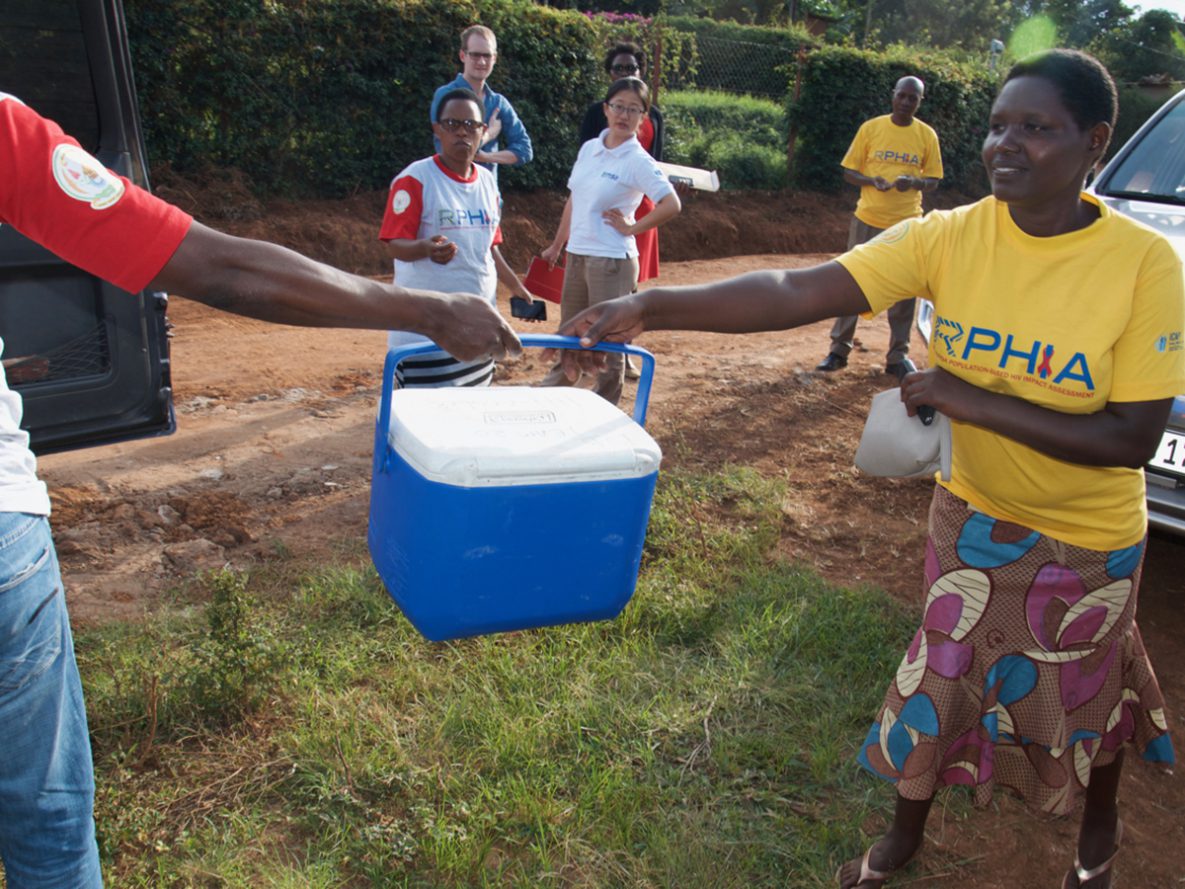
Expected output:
{"points": [[757, 301], [271, 283], [767, 300]]}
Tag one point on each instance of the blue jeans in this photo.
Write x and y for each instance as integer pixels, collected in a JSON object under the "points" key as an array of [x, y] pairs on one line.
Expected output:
{"points": [[47, 786]]}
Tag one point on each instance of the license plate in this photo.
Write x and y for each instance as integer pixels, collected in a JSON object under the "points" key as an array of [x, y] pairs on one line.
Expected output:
{"points": [[1170, 456]]}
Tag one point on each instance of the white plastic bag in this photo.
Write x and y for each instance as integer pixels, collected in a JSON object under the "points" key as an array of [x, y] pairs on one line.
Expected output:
{"points": [[897, 445]]}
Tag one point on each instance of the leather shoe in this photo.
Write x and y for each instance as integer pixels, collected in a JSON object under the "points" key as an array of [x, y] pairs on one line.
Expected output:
{"points": [[900, 368], [832, 362]]}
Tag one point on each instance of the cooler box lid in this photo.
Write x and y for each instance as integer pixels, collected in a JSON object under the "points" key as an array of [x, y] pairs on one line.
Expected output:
{"points": [[517, 435]]}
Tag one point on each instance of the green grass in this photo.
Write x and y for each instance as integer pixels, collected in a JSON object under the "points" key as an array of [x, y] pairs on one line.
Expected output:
{"points": [[743, 138], [301, 734]]}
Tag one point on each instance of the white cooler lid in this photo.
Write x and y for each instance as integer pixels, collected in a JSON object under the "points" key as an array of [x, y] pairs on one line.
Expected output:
{"points": [[514, 435]]}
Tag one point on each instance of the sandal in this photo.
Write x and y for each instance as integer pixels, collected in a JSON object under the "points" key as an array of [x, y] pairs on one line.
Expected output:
{"points": [[1085, 875], [867, 874]]}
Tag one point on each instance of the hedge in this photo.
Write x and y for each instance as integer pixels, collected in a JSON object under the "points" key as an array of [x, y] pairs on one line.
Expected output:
{"points": [[841, 88], [741, 137], [311, 98], [328, 97]]}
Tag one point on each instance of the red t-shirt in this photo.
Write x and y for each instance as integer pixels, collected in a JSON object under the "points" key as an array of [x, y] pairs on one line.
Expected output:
{"points": [[56, 194]]}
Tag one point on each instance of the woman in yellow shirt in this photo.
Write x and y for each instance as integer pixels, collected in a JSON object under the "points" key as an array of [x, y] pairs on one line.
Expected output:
{"points": [[1028, 671]]}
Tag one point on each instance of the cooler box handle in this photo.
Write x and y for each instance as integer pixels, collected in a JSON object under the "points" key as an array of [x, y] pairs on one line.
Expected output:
{"points": [[534, 340]]}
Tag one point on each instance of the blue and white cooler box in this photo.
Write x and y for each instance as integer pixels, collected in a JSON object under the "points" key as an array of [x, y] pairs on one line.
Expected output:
{"points": [[513, 507]]}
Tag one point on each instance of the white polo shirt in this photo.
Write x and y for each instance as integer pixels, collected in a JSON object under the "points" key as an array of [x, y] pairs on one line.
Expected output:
{"points": [[610, 179]]}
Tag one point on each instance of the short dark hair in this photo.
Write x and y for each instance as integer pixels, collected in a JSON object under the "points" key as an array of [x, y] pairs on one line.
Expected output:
{"points": [[624, 49], [1085, 86], [632, 84], [460, 93]]}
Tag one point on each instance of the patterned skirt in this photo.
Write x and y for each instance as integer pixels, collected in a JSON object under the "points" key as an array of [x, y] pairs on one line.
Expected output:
{"points": [[1028, 669]]}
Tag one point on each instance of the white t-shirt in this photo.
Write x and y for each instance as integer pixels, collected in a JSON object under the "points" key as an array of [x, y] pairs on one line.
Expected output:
{"points": [[429, 199], [610, 179], [20, 489]]}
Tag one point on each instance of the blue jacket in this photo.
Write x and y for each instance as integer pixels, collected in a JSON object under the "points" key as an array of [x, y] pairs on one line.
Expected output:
{"points": [[514, 134]]}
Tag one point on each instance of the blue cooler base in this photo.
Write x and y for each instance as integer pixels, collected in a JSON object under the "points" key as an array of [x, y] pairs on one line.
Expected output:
{"points": [[467, 561]]}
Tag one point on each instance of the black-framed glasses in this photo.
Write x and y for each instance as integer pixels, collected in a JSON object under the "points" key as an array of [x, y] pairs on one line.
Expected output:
{"points": [[625, 70], [452, 125], [627, 110]]}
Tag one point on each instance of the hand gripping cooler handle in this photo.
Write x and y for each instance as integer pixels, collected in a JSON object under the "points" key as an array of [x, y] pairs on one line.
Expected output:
{"points": [[536, 340]]}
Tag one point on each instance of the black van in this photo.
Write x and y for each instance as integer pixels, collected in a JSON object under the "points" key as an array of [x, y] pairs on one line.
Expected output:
{"points": [[90, 361]]}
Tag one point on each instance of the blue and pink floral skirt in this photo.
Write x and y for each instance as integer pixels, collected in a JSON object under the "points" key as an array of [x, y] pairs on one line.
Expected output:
{"points": [[1028, 669]]}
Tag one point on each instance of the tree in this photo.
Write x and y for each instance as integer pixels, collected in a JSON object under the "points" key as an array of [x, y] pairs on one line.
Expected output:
{"points": [[1078, 21], [1152, 45], [971, 24]]}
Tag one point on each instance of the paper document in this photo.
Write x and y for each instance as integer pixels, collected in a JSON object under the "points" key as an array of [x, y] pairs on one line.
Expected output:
{"points": [[704, 180]]}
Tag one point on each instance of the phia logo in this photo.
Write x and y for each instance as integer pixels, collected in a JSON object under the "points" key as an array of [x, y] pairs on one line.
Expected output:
{"points": [[1044, 370], [1008, 353], [949, 332]]}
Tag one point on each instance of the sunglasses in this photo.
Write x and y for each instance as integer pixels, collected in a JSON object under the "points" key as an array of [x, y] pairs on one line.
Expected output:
{"points": [[480, 56], [452, 125], [625, 69]]}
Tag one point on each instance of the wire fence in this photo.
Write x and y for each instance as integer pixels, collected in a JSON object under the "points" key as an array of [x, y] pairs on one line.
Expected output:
{"points": [[735, 66]]}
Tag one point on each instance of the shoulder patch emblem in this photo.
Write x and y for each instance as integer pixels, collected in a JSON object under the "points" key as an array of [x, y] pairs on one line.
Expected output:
{"points": [[400, 201], [85, 179]]}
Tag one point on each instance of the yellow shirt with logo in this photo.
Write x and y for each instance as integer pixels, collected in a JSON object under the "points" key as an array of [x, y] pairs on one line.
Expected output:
{"points": [[1069, 323], [881, 148]]}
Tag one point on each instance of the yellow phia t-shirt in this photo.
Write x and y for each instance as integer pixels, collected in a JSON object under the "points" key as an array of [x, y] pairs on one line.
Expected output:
{"points": [[1069, 323], [881, 148]]}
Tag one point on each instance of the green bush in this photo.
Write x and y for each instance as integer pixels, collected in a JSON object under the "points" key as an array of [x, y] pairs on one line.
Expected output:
{"points": [[741, 137], [316, 98], [841, 88], [237, 660], [743, 164]]}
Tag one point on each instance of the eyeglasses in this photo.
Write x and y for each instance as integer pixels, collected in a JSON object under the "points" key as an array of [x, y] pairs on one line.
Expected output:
{"points": [[625, 69], [480, 56], [627, 110], [452, 125]]}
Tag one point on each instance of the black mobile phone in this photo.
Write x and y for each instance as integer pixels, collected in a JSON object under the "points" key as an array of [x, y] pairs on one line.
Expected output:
{"points": [[531, 311]]}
